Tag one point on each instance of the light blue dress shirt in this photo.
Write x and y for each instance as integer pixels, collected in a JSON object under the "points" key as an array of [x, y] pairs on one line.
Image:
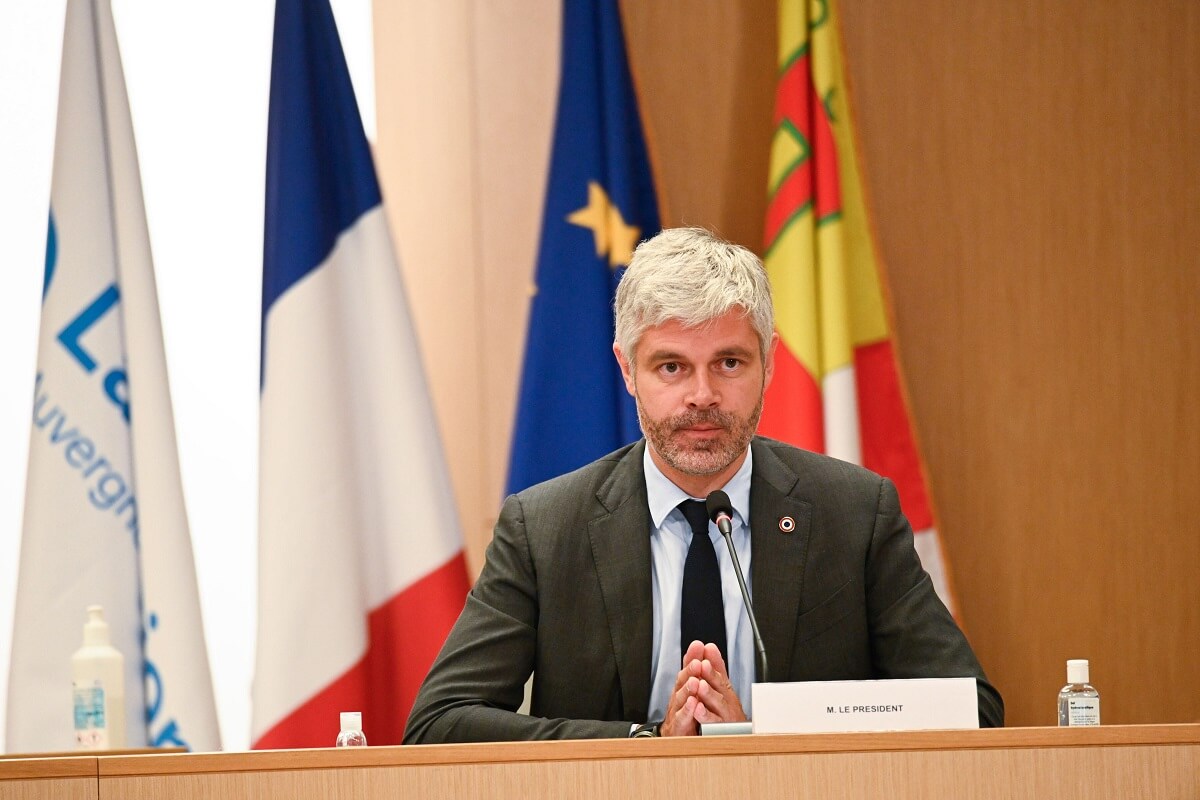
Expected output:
{"points": [[670, 537]]}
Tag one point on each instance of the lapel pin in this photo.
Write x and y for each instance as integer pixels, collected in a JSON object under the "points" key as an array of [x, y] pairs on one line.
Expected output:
{"points": [[787, 524]]}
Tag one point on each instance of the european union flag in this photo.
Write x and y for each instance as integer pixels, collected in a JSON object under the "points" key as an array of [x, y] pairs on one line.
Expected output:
{"points": [[600, 202]]}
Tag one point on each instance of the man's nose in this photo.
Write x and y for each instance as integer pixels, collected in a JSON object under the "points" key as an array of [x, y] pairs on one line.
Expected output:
{"points": [[702, 393]]}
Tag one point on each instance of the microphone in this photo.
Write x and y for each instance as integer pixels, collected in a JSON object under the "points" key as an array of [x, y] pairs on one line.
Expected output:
{"points": [[720, 511]]}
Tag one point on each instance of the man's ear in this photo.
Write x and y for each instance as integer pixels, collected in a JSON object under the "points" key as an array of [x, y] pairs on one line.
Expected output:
{"points": [[626, 369], [769, 365]]}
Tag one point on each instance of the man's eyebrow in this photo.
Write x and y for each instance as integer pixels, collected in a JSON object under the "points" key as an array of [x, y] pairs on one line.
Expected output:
{"points": [[725, 352]]}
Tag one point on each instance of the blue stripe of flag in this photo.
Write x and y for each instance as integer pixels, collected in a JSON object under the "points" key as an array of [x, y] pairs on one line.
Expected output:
{"points": [[320, 175]]}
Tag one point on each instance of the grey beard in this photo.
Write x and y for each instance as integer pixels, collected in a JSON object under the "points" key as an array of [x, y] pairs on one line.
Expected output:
{"points": [[706, 457]]}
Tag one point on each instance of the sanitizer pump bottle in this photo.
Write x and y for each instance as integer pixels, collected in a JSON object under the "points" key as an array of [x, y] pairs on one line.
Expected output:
{"points": [[98, 672]]}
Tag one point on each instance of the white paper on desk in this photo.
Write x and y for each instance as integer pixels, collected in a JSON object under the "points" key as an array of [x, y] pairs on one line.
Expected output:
{"points": [[841, 706]]}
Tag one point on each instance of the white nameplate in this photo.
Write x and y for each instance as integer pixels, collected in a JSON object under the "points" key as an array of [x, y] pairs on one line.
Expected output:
{"points": [[840, 706]]}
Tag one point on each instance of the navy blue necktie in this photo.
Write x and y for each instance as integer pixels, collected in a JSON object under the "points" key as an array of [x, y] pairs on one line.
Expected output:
{"points": [[702, 613]]}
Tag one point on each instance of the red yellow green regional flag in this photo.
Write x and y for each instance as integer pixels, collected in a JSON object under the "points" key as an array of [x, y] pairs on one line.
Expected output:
{"points": [[837, 387]]}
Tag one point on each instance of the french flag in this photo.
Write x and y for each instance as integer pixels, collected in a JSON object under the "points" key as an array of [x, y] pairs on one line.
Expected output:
{"points": [[361, 566]]}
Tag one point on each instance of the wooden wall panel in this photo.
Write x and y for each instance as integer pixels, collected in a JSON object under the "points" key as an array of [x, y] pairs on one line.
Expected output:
{"points": [[1033, 170], [425, 110], [466, 92], [705, 73]]}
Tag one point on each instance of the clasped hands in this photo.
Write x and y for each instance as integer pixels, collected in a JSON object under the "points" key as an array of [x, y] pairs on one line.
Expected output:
{"points": [[703, 693]]}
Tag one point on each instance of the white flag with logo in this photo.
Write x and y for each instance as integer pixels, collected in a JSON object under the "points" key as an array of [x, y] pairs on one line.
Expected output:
{"points": [[104, 516]]}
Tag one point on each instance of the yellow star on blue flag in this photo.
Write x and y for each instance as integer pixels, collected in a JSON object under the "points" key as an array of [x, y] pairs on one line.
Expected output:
{"points": [[615, 239]]}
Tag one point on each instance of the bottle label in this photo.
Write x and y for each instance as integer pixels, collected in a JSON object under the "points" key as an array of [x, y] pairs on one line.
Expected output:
{"points": [[91, 727], [1083, 711]]}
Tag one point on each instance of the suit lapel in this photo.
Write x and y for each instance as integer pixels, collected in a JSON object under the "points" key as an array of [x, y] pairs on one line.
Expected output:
{"points": [[777, 561], [620, 540]]}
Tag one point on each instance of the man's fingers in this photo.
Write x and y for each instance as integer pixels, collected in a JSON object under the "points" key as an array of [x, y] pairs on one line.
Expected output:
{"points": [[712, 701], [720, 702], [704, 714], [713, 673], [681, 678], [683, 721], [686, 689], [713, 654], [703, 692], [694, 652]]}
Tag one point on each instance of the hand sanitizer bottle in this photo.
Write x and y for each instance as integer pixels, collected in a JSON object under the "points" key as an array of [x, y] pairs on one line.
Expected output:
{"points": [[351, 735], [98, 673], [1078, 702]]}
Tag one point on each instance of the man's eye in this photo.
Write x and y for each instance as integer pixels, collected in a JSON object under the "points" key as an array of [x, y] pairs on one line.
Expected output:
{"points": [[670, 368], [732, 363]]}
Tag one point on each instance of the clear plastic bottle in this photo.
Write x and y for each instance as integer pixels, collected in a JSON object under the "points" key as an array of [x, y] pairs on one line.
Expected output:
{"points": [[351, 734], [1078, 702], [98, 680]]}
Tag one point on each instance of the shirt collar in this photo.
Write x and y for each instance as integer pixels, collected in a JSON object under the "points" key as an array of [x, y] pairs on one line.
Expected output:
{"points": [[664, 496]]}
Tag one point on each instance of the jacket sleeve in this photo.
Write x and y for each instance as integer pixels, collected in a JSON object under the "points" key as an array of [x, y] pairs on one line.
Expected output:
{"points": [[476, 684], [912, 633]]}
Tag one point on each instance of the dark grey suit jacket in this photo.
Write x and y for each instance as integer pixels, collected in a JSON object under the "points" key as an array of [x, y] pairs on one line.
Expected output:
{"points": [[565, 594]]}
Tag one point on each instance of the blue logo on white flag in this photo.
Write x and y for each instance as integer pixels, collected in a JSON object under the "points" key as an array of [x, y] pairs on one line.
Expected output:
{"points": [[51, 256]]}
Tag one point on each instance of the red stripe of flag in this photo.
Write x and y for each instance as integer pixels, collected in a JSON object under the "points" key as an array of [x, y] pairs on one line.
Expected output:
{"points": [[792, 409], [388, 676], [888, 444]]}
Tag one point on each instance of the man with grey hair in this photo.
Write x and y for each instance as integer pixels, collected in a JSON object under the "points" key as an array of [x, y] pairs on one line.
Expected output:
{"points": [[606, 585]]}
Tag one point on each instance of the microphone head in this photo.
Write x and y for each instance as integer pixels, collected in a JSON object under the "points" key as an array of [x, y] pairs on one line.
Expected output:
{"points": [[717, 504]]}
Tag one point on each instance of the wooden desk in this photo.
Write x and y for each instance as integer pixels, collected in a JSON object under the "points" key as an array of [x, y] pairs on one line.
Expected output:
{"points": [[70, 778], [1119, 762]]}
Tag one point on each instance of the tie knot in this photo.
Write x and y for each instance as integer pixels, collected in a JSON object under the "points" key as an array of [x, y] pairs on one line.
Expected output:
{"points": [[697, 516]]}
